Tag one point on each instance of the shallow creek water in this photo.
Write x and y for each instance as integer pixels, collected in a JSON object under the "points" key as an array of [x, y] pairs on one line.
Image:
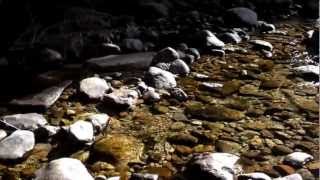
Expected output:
{"points": [[262, 104]]}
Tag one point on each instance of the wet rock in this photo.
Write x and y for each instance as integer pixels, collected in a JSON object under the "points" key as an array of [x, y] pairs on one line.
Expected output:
{"points": [[231, 37], [266, 27], [64, 168], [113, 63], [188, 58], [178, 94], [160, 79], [308, 69], [44, 99], [165, 55], [217, 52], [221, 113], [228, 146], [151, 95], [254, 176], [122, 98], [231, 87], [212, 166], [183, 139], [132, 45], [297, 159], [290, 177], [30, 121], [281, 150], [3, 134], [179, 67], [306, 174], [199, 76], [241, 17], [119, 148], [212, 41], [50, 57], [94, 87], [262, 45], [82, 131], [194, 52], [99, 121], [212, 86], [139, 176], [16, 145]]}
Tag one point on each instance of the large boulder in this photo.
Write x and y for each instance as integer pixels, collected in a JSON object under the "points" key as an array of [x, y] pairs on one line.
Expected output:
{"points": [[241, 17], [63, 169], [17, 145]]}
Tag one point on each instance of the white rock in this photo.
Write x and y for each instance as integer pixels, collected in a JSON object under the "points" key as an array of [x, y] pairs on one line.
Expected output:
{"points": [[309, 34], [298, 159], [82, 131], [94, 87], [179, 67], [114, 178], [254, 176], [200, 76], [30, 121], [308, 69], [213, 166], [123, 98], [161, 79], [3, 134], [51, 130], [99, 121], [262, 44], [290, 177], [17, 144], [151, 95], [63, 169], [213, 41], [266, 27], [212, 86], [146, 176]]}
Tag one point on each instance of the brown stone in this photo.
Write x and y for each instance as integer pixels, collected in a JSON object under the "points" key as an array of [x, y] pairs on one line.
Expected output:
{"points": [[284, 169]]}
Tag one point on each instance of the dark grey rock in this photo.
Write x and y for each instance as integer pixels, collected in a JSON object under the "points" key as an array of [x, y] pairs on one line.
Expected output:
{"points": [[179, 67], [132, 45], [166, 55], [178, 94], [194, 52], [121, 62], [44, 99], [241, 17]]}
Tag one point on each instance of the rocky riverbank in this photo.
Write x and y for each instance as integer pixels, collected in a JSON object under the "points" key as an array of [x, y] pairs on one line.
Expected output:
{"points": [[98, 96]]}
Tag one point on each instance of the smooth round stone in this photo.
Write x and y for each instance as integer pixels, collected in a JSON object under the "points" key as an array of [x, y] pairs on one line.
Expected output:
{"points": [[82, 131]]}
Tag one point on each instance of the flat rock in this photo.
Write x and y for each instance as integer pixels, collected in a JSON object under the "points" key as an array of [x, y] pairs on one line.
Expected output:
{"points": [[17, 145], [297, 159], [119, 148], [134, 61], [179, 67], [254, 176], [241, 17], [63, 169], [261, 44], [44, 99], [94, 87], [29, 121]]}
